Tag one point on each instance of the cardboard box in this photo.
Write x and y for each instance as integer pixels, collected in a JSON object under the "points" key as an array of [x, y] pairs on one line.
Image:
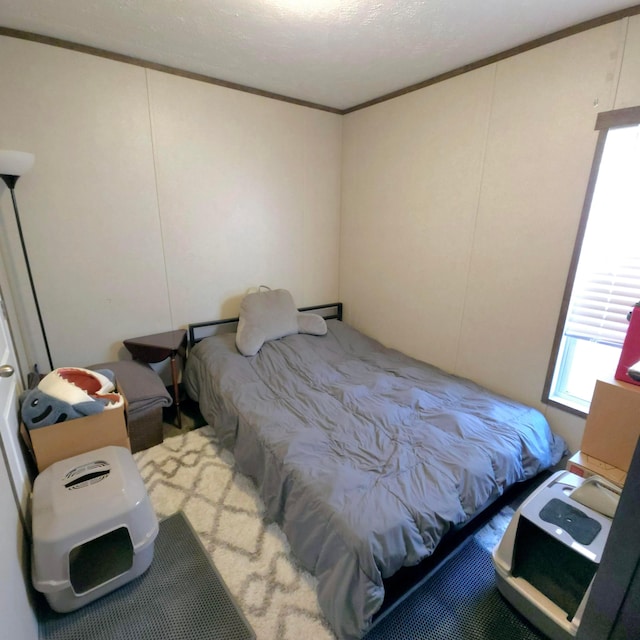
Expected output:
{"points": [[613, 424], [72, 437], [584, 465]]}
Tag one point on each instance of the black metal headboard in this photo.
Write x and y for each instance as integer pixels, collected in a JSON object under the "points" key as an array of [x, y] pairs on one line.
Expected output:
{"points": [[200, 330]]}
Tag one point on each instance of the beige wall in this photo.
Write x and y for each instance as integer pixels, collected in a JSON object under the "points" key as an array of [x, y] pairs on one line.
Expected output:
{"points": [[445, 219], [156, 201], [248, 193], [461, 203]]}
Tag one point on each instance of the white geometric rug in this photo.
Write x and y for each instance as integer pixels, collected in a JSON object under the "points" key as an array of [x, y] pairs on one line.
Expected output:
{"points": [[193, 473]]}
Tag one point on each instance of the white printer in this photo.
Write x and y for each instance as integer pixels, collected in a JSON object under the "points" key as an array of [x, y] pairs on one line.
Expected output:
{"points": [[551, 550]]}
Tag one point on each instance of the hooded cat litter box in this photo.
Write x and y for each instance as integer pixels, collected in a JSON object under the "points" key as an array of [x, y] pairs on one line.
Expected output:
{"points": [[93, 527], [551, 550]]}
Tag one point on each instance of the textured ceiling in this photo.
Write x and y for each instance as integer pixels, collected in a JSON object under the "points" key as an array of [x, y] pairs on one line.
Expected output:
{"points": [[336, 53]]}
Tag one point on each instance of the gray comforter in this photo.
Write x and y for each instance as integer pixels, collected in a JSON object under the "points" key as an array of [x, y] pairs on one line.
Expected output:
{"points": [[365, 457]]}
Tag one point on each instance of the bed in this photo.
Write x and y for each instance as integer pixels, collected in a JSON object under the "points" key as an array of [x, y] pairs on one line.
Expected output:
{"points": [[365, 457]]}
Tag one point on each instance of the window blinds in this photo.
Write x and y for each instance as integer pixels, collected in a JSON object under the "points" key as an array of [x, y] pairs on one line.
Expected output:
{"points": [[601, 302], [607, 283]]}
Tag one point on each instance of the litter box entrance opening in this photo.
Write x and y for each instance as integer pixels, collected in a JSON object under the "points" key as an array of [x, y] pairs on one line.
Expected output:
{"points": [[555, 569], [99, 560]]}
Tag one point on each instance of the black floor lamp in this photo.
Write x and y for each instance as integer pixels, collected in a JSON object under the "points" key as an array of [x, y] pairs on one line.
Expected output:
{"points": [[12, 165]]}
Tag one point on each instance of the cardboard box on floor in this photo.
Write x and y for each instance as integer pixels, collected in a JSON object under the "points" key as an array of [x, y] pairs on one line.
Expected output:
{"points": [[72, 437], [613, 424]]}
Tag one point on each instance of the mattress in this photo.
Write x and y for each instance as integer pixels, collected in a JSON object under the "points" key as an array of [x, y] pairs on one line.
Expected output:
{"points": [[364, 456]]}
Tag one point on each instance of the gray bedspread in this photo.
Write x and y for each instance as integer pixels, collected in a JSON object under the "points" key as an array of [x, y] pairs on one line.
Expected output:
{"points": [[365, 457]]}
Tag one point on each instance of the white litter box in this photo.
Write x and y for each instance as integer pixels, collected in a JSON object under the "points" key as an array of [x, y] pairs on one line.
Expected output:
{"points": [[93, 527], [551, 550]]}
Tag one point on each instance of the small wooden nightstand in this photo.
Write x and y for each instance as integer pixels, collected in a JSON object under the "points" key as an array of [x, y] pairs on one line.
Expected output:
{"points": [[158, 347]]}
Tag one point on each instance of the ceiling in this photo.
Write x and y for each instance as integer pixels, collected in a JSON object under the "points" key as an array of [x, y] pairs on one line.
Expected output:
{"points": [[335, 53]]}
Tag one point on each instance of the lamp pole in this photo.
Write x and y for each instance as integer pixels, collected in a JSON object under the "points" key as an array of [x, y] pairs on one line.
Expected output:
{"points": [[12, 165]]}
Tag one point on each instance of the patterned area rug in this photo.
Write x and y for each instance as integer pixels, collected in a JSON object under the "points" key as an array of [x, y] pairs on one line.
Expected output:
{"points": [[195, 474], [192, 472]]}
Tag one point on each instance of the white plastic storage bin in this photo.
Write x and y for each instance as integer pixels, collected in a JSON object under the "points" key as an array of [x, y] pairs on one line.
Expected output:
{"points": [[93, 527], [551, 550]]}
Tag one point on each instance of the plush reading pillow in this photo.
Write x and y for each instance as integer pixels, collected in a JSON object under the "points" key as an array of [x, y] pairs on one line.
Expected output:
{"points": [[269, 315]]}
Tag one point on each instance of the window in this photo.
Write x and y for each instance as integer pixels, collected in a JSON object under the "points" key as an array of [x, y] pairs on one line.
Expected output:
{"points": [[604, 280]]}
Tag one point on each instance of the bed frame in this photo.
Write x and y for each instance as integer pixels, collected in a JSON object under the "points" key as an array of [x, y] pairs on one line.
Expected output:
{"points": [[200, 330]]}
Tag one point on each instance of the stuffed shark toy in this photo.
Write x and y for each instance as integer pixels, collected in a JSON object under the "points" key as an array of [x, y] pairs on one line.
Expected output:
{"points": [[68, 393]]}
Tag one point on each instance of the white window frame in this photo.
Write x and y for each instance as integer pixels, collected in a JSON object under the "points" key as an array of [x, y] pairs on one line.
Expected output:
{"points": [[605, 122]]}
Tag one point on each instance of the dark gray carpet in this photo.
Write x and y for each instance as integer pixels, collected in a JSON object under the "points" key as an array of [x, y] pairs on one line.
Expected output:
{"points": [[180, 597], [459, 602]]}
